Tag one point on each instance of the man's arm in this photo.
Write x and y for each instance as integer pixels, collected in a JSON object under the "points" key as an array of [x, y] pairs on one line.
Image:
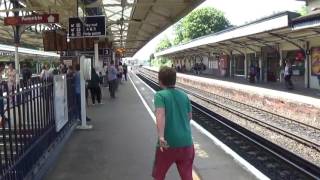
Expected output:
{"points": [[160, 118]]}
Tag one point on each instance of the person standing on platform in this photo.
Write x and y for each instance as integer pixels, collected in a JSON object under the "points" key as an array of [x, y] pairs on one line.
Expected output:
{"points": [[318, 76], [11, 77], [26, 74], [94, 86], [45, 75], [287, 75], [112, 78], [252, 74], [120, 73], [173, 114], [258, 73], [78, 93], [3, 119], [125, 71]]}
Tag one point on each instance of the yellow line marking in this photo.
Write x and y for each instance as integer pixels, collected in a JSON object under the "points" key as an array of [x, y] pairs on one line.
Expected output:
{"points": [[195, 175]]}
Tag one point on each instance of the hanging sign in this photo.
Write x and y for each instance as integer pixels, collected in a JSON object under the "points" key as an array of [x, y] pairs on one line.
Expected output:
{"points": [[75, 27], [92, 26], [34, 19]]}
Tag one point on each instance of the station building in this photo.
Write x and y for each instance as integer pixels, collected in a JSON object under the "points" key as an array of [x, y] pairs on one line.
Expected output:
{"points": [[265, 43]]}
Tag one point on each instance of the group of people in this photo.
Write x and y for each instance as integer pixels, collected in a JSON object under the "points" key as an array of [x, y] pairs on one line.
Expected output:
{"points": [[115, 76], [180, 68], [198, 68], [9, 85]]}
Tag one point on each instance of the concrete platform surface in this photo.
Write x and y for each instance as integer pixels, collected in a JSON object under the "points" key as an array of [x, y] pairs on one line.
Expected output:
{"points": [[121, 145]]}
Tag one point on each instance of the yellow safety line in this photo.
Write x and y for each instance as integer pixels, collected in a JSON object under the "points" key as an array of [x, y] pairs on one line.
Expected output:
{"points": [[195, 175]]}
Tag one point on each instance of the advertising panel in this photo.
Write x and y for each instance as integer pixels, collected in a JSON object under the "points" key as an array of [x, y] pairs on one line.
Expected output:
{"points": [[60, 101], [315, 61]]}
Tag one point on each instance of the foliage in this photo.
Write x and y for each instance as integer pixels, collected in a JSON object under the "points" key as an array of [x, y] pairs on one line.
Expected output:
{"points": [[162, 61], [163, 44], [303, 11], [199, 23]]}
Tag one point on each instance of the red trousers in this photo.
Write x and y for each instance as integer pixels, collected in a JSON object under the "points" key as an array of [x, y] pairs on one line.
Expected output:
{"points": [[183, 157]]}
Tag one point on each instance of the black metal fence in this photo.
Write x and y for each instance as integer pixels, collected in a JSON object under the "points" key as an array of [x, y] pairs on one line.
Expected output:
{"points": [[27, 127]]}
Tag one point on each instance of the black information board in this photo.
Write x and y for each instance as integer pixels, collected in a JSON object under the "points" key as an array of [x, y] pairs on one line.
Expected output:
{"points": [[92, 26]]}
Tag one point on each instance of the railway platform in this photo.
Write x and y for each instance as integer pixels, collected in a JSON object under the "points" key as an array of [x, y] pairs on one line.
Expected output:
{"points": [[122, 142]]}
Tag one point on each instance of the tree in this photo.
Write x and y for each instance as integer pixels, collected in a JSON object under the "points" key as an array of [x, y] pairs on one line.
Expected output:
{"points": [[163, 44], [199, 23], [303, 10]]}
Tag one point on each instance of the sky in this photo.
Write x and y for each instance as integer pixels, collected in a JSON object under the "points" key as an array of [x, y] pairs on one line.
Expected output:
{"points": [[238, 12]]}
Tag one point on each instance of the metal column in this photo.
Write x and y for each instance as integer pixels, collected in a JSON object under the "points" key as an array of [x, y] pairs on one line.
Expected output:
{"points": [[307, 73], [245, 65], [96, 54]]}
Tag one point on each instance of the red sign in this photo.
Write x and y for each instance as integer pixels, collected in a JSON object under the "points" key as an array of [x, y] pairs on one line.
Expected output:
{"points": [[34, 19]]}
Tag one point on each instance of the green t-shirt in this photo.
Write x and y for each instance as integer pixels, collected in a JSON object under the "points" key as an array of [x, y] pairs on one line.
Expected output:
{"points": [[177, 131]]}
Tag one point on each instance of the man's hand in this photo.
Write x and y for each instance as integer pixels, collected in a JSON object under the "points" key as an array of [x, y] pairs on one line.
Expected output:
{"points": [[163, 144]]}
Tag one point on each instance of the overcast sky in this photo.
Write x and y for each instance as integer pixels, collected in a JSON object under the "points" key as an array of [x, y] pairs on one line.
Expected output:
{"points": [[238, 12]]}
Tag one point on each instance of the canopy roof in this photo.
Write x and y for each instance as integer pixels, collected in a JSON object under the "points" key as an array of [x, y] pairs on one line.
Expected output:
{"points": [[266, 32], [130, 23]]}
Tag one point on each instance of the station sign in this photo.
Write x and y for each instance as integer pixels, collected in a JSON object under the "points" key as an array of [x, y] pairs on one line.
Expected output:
{"points": [[91, 26], [33, 19]]}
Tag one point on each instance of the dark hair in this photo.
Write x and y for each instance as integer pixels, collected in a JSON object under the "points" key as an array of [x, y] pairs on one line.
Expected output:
{"points": [[167, 76], [78, 67], [111, 62]]}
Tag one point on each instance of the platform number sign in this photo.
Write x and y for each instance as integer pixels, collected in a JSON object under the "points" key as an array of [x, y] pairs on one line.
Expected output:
{"points": [[106, 52]]}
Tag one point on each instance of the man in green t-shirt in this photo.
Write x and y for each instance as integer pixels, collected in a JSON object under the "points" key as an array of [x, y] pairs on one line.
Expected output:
{"points": [[173, 114]]}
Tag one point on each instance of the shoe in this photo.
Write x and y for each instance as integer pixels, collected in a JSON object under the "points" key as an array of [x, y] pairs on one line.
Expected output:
{"points": [[88, 119], [101, 103]]}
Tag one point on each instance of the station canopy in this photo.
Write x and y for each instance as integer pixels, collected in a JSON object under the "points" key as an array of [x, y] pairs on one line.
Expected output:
{"points": [[269, 32], [130, 23]]}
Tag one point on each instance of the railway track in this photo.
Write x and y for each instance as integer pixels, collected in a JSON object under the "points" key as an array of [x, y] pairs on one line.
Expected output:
{"points": [[269, 158]]}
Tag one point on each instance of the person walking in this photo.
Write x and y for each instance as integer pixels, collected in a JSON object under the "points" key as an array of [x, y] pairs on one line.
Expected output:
{"points": [[94, 86], [112, 78], [173, 114]]}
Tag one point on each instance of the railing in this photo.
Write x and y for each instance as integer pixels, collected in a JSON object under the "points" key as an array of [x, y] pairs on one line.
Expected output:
{"points": [[28, 125]]}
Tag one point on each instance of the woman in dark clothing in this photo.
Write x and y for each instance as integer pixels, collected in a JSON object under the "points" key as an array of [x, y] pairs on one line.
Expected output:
{"points": [[94, 86]]}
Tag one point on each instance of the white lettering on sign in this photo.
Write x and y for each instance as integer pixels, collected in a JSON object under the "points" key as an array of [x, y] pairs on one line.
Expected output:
{"points": [[32, 18]]}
